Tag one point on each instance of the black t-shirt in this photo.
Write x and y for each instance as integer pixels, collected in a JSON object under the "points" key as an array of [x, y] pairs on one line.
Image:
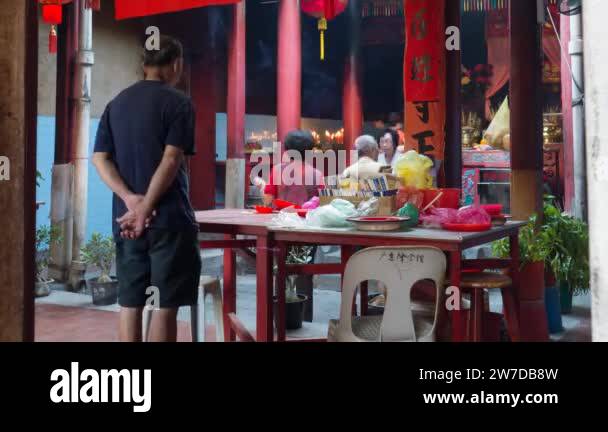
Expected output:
{"points": [[134, 129]]}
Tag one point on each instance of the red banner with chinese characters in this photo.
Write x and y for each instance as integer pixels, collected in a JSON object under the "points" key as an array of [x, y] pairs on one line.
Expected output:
{"points": [[138, 8], [425, 43], [424, 79]]}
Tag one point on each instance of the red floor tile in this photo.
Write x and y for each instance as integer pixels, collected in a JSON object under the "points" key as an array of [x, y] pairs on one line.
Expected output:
{"points": [[71, 324]]}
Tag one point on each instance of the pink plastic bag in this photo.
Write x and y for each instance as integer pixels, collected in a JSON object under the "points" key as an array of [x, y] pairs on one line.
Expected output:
{"points": [[312, 204], [473, 215], [438, 216]]}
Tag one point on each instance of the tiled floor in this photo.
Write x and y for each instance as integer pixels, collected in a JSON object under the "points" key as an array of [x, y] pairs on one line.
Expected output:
{"points": [[56, 323], [65, 316]]}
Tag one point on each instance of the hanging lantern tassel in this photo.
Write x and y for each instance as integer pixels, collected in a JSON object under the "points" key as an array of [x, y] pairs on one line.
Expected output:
{"points": [[322, 28], [53, 40]]}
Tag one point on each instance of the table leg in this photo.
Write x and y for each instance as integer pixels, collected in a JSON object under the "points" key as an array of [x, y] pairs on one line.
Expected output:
{"points": [[457, 315], [264, 311], [345, 253], [229, 289], [509, 299], [476, 315], [280, 282], [364, 297]]}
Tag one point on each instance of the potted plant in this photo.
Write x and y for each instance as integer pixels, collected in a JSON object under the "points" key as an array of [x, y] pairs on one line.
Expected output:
{"points": [[45, 236], [568, 260], [295, 302], [100, 252], [534, 245]]}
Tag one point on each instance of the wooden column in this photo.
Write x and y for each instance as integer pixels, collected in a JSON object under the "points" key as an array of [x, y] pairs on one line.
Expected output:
{"points": [[66, 62], [289, 68], [18, 100], [62, 177], [453, 106], [235, 160], [352, 104], [205, 93], [526, 110]]}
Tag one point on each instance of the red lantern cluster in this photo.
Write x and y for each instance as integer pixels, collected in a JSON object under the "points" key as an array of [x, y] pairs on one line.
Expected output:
{"points": [[324, 10]]}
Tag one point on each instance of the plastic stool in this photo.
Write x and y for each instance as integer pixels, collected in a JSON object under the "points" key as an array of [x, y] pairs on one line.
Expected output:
{"points": [[210, 287]]}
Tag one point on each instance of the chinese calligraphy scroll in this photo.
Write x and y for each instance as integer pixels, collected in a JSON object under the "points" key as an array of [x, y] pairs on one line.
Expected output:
{"points": [[424, 75]]}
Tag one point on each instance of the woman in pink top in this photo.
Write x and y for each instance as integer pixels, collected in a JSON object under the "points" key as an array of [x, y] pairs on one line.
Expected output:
{"points": [[295, 181]]}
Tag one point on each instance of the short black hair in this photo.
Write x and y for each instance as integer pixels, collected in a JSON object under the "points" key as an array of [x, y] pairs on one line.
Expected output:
{"points": [[300, 141], [170, 50], [394, 136]]}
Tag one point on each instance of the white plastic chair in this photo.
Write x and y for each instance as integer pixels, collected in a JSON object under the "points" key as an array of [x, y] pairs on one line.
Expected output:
{"points": [[210, 287], [398, 268]]}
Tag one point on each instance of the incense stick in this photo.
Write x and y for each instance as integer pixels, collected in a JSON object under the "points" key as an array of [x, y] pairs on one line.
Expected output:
{"points": [[439, 195]]}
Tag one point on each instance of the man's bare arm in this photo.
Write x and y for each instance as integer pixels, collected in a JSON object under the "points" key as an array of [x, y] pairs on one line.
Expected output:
{"points": [[164, 176], [109, 175]]}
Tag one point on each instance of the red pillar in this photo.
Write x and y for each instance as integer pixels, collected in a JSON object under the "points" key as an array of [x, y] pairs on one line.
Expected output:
{"points": [[352, 105], [235, 108], [205, 92], [568, 149], [236, 83], [289, 68]]}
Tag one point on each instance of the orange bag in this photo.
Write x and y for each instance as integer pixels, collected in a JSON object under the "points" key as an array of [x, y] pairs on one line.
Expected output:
{"points": [[409, 194]]}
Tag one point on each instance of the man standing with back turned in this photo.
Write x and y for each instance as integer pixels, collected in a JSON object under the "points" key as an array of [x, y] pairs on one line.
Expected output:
{"points": [[143, 138]]}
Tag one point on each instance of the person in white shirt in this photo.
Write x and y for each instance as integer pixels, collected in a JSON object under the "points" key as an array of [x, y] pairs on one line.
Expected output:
{"points": [[367, 165], [389, 143]]}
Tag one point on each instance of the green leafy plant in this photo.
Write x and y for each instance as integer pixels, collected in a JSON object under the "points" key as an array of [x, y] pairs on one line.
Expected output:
{"points": [[534, 244], [100, 251], [45, 237], [561, 241], [569, 259]]}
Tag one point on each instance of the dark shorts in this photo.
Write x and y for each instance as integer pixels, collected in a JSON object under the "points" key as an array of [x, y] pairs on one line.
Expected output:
{"points": [[167, 260]]}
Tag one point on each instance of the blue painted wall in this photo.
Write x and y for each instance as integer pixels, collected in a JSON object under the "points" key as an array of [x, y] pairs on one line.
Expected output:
{"points": [[99, 208]]}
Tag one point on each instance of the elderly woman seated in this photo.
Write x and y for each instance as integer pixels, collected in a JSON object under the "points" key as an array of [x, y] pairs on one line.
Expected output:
{"points": [[367, 165]]}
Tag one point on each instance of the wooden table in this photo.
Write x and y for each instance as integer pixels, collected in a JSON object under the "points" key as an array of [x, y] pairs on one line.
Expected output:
{"points": [[271, 239]]}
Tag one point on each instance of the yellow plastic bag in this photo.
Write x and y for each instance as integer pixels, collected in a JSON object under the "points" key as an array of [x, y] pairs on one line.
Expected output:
{"points": [[414, 170], [499, 127]]}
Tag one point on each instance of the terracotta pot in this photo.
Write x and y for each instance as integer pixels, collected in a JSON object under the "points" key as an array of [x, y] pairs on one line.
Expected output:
{"points": [[532, 282]]}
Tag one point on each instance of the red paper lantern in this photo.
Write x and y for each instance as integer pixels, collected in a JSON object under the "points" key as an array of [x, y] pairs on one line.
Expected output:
{"points": [[327, 9], [324, 10], [52, 13]]}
